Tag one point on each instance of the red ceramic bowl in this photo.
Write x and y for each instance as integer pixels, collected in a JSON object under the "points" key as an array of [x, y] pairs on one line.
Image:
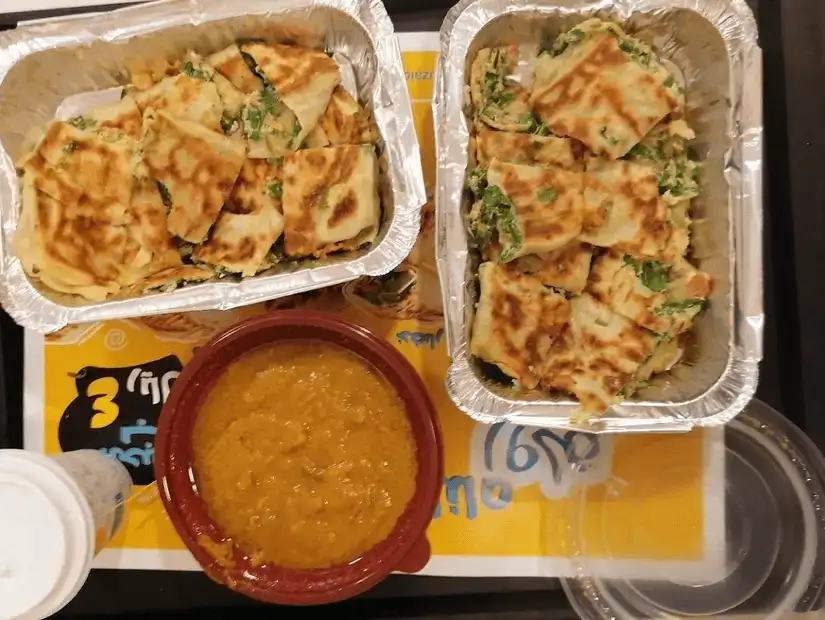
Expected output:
{"points": [[405, 550]]}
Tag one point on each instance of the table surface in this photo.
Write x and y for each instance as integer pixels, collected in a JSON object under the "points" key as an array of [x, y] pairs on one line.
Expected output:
{"points": [[791, 36]]}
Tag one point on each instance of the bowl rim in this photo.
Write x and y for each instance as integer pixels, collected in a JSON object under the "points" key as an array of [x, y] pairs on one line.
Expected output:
{"points": [[410, 551]]}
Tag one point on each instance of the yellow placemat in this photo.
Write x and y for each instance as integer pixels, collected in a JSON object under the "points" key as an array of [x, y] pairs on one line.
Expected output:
{"points": [[506, 503]]}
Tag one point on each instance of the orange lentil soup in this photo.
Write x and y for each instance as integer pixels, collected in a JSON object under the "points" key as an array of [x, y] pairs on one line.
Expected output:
{"points": [[304, 455]]}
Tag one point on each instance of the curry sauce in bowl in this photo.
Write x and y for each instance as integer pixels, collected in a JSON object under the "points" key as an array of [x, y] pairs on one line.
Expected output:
{"points": [[304, 455], [300, 459]]}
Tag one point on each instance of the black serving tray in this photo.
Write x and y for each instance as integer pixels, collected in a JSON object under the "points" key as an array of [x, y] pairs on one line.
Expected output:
{"points": [[791, 378]]}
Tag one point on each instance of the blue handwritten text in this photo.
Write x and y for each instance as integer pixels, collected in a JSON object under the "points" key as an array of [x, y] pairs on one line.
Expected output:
{"points": [[463, 495], [421, 338]]}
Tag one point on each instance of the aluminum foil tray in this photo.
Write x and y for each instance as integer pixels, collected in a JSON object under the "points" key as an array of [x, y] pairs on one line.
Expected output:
{"points": [[53, 69], [714, 44]]}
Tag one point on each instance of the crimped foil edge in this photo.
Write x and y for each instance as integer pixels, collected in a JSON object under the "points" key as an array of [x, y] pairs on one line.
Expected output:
{"points": [[391, 108], [737, 384]]}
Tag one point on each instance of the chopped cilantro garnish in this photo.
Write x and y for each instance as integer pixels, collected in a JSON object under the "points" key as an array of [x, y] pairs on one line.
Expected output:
{"points": [[275, 189], [636, 53], [254, 123], [547, 195], [540, 129], [509, 232], [70, 147], [477, 180], [669, 81], [535, 125], [493, 197], [663, 339], [200, 74], [565, 40], [494, 79], [498, 210], [677, 306], [165, 196], [296, 128], [269, 98], [680, 178], [491, 82], [504, 98], [485, 220], [494, 95], [223, 272], [630, 389], [81, 122], [496, 102], [642, 151], [652, 273]]}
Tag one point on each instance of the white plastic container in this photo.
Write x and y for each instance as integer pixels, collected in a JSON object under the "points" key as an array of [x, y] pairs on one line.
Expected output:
{"points": [[56, 513]]}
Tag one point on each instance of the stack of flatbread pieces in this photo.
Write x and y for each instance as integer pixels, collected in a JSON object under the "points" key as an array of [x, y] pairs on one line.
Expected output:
{"points": [[223, 165], [581, 197]]}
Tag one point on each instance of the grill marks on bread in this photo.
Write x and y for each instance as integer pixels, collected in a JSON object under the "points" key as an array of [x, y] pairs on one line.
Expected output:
{"points": [[123, 198], [555, 209]]}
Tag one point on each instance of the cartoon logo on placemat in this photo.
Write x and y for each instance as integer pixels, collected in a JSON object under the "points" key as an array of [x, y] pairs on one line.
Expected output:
{"points": [[116, 411]]}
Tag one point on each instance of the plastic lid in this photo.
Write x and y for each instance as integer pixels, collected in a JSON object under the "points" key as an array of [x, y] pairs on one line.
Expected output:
{"points": [[762, 552], [46, 536]]}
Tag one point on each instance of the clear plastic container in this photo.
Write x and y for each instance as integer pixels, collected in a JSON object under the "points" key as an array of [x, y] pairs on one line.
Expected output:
{"points": [[773, 558]]}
